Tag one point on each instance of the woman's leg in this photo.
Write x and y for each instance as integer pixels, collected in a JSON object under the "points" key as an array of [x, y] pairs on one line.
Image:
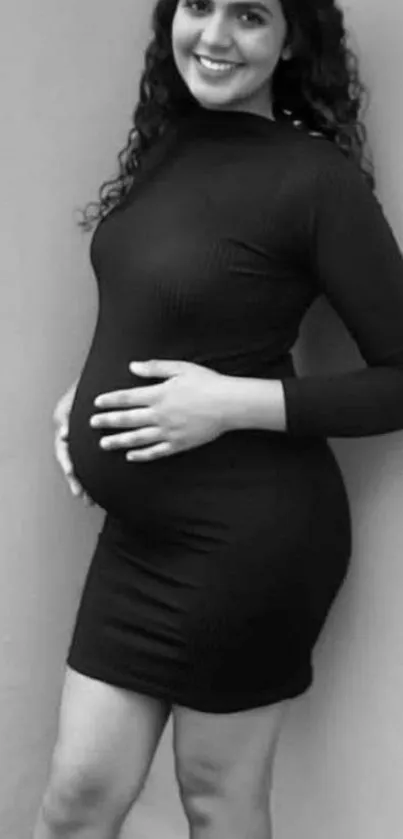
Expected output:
{"points": [[224, 765], [106, 742]]}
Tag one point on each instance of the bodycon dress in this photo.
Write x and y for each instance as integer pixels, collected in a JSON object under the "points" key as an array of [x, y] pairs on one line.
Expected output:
{"points": [[215, 567]]}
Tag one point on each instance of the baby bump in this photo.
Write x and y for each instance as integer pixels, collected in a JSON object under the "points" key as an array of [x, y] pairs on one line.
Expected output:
{"points": [[270, 483]]}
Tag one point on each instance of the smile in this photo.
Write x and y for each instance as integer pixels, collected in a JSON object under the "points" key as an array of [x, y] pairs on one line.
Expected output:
{"points": [[222, 68]]}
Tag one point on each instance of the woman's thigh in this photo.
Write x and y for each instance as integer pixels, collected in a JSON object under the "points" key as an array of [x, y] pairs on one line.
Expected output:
{"points": [[107, 737], [225, 757]]}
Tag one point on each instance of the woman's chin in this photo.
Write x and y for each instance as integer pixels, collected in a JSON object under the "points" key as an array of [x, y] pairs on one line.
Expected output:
{"points": [[215, 98]]}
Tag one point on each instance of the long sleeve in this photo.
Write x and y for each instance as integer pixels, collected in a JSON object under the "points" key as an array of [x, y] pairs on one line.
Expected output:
{"points": [[357, 264]]}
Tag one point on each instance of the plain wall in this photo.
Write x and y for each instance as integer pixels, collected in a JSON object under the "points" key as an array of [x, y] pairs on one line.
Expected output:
{"points": [[68, 83]]}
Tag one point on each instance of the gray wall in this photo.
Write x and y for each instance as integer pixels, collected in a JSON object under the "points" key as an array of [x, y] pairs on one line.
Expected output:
{"points": [[67, 87]]}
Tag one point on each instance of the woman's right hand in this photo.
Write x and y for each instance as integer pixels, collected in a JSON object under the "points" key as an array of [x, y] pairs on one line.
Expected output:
{"points": [[61, 416]]}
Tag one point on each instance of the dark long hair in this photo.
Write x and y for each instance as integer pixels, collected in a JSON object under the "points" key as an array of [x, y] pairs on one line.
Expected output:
{"points": [[319, 88]]}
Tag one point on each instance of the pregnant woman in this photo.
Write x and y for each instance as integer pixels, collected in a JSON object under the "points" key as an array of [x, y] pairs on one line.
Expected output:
{"points": [[242, 196]]}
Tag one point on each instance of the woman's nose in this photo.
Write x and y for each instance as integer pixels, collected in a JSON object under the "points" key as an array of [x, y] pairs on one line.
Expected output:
{"points": [[216, 32]]}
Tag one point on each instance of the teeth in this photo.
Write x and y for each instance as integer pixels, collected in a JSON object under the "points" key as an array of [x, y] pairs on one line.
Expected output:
{"points": [[215, 65]]}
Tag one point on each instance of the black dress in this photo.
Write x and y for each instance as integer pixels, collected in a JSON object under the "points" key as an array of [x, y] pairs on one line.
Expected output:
{"points": [[216, 567]]}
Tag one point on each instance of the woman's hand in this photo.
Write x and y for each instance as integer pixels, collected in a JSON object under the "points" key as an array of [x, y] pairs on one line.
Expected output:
{"points": [[185, 411], [61, 419]]}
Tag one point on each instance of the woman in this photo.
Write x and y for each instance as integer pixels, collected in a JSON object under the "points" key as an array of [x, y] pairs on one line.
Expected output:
{"points": [[242, 196]]}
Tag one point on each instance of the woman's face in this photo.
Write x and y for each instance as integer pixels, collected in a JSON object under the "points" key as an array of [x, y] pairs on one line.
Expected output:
{"points": [[243, 40]]}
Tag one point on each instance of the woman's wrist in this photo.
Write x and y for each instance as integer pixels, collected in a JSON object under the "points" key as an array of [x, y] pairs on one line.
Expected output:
{"points": [[253, 403]]}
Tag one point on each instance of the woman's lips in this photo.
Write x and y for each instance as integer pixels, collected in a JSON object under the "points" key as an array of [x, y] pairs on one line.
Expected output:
{"points": [[216, 72]]}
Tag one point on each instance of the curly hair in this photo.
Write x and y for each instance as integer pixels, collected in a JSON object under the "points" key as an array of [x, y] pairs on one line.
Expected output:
{"points": [[319, 88]]}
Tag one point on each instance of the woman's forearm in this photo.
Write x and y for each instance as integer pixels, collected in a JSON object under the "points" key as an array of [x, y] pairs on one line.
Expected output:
{"points": [[253, 403]]}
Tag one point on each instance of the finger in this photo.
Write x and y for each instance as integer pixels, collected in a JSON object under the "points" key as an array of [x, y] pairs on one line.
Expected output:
{"points": [[59, 413], [75, 487], [67, 468], [64, 462], [63, 431], [131, 438], [124, 419], [158, 367], [63, 457], [87, 500], [150, 453], [131, 397]]}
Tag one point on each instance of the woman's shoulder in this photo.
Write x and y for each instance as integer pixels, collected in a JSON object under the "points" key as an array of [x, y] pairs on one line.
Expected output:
{"points": [[320, 163], [315, 145]]}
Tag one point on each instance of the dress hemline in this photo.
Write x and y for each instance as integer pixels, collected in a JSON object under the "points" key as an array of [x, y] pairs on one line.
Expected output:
{"points": [[226, 703]]}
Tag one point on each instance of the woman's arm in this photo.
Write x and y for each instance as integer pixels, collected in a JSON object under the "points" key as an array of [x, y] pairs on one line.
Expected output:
{"points": [[253, 403], [356, 262]]}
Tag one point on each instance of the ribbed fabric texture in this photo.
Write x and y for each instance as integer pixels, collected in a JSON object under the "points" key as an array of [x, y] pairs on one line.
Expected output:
{"points": [[216, 566], [247, 221], [356, 262]]}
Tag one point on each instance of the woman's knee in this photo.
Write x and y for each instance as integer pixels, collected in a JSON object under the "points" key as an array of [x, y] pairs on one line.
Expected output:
{"points": [[225, 761], [75, 793], [106, 742]]}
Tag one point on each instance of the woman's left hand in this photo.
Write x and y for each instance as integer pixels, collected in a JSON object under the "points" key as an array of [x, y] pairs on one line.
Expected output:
{"points": [[184, 411]]}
